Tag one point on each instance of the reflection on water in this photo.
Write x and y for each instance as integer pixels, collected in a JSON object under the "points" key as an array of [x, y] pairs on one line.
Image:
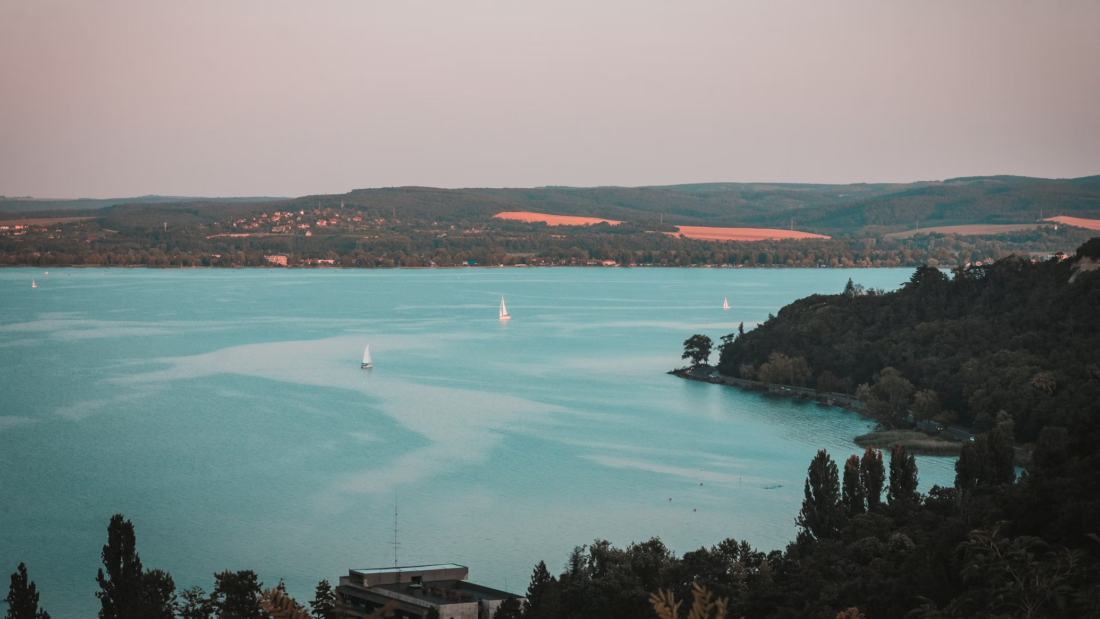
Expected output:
{"points": [[226, 414]]}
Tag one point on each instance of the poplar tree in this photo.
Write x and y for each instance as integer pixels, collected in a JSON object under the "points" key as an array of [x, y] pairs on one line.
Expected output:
{"points": [[821, 514], [122, 587], [872, 476], [903, 476], [22, 597], [852, 488]]}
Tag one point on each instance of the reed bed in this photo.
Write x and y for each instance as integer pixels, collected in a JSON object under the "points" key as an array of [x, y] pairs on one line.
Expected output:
{"points": [[916, 442]]}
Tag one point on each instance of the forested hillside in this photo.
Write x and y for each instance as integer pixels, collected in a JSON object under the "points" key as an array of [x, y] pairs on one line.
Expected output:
{"points": [[416, 227], [1017, 336], [825, 209]]}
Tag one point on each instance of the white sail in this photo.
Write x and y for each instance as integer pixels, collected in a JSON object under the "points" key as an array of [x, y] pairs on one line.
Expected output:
{"points": [[366, 355], [34, 285], [725, 304], [503, 310]]}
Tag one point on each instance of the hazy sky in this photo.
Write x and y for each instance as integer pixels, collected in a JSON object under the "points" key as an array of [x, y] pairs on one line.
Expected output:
{"points": [[111, 98]]}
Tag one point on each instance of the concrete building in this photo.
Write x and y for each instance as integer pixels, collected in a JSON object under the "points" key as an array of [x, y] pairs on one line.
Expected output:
{"points": [[418, 589], [280, 260]]}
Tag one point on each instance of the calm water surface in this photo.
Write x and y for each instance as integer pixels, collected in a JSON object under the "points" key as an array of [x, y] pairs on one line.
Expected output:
{"points": [[225, 413]]}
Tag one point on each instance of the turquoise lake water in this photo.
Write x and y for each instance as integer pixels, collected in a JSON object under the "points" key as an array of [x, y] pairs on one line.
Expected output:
{"points": [[225, 413]]}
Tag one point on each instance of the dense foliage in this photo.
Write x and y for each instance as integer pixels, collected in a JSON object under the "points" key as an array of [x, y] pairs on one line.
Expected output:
{"points": [[1017, 336], [990, 547]]}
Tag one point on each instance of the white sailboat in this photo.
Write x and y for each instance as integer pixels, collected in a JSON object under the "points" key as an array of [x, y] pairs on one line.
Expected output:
{"points": [[34, 285], [503, 310], [366, 358], [725, 304]]}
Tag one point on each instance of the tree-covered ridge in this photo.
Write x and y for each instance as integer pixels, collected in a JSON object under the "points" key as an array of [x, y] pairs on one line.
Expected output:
{"points": [[366, 237], [828, 209], [1017, 336]]}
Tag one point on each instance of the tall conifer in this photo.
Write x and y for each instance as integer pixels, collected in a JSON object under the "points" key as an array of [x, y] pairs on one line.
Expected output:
{"points": [[872, 476]]}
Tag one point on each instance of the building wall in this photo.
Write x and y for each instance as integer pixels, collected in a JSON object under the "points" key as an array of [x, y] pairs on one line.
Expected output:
{"points": [[466, 610]]}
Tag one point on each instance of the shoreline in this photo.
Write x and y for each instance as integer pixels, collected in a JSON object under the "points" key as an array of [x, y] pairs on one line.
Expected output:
{"points": [[915, 441], [428, 268]]}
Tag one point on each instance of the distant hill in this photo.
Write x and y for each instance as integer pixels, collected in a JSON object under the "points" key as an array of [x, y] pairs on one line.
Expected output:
{"points": [[824, 209], [29, 205]]}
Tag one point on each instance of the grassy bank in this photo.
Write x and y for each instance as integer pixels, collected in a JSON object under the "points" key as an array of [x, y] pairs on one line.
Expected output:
{"points": [[916, 442]]}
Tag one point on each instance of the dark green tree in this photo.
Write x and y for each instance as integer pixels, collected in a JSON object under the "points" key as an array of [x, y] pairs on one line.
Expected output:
{"points": [[323, 605], [126, 592], [972, 469], [852, 488], [433, 613], [542, 594], [509, 609], [159, 593], [903, 476], [236, 594], [697, 348], [821, 514], [22, 597], [872, 476], [1002, 450], [195, 604]]}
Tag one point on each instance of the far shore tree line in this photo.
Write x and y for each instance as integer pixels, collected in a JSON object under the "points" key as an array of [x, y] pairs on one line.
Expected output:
{"points": [[495, 242]]}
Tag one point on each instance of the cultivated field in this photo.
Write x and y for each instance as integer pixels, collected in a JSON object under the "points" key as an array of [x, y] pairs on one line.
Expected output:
{"points": [[968, 230], [1088, 224], [553, 220], [741, 234]]}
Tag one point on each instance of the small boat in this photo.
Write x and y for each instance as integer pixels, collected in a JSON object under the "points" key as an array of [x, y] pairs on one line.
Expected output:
{"points": [[366, 358], [725, 304], [503, 310], [34, 285]]}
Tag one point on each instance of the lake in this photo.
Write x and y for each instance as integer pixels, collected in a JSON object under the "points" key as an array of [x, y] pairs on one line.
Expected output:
{"points": [[225, 413]]}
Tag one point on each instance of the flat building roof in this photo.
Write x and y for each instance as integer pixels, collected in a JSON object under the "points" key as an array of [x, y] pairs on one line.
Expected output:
{"points": [[411, 568]]}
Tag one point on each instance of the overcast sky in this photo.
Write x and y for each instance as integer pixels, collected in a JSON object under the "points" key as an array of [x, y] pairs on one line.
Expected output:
{"points": [[117, 98]]}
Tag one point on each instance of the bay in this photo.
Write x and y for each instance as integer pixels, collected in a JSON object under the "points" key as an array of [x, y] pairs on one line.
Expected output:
{"points": [[225, 413]]}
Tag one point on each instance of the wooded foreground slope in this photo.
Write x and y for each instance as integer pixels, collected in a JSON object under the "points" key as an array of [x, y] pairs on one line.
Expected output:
{"points": [[1017, 336]]}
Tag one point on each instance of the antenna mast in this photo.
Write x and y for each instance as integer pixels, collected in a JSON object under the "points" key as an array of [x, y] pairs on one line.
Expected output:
{"points": [[395, 544]]}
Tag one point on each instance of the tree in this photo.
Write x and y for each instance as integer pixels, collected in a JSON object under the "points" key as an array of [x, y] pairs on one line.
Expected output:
{"points": [[852, 487], [22, 597], [872, 476], [821, 514], [697, 348], [926, 405], [159, 595], [888, 398], [195, 604], [236, 594], [542, 593], [903, 476], [323, 605], [1002, 450], [775, 370], [1021, 575], [509, 609], [126, 592]]}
